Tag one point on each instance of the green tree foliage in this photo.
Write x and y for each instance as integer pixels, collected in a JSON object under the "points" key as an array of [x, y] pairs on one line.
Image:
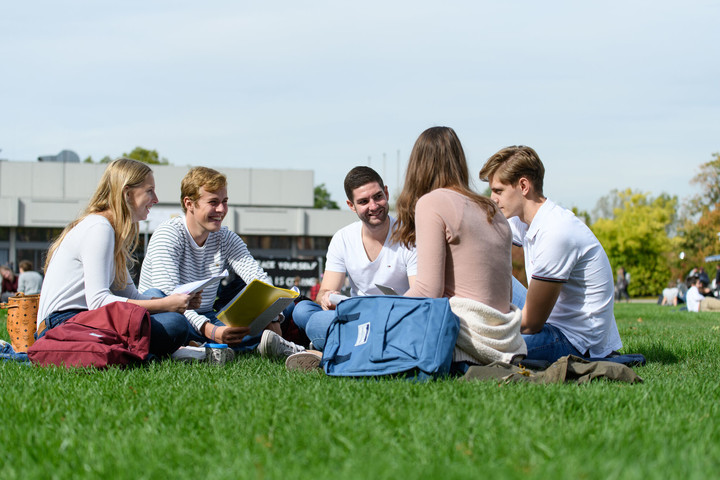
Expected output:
{"points": [[140, 154], [146, 156], [636, 237], [699, 233], [322, 198]]}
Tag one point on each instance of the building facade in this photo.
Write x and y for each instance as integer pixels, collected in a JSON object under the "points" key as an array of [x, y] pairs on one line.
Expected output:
{"points": [[270, 209]]}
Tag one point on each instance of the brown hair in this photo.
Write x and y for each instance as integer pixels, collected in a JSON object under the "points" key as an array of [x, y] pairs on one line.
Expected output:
{"points": [[197, 178], [437, 161], [359, 176], [512, 163], [25, 266], [109, 197]]}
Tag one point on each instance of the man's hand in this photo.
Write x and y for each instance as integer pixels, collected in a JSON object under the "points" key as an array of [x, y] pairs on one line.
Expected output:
{"points": [[325, 300], [224, 334], [195, 301], [332, 283]]}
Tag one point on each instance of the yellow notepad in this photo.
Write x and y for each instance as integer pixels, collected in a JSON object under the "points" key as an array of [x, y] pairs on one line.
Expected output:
{"points": [[256, 306]]}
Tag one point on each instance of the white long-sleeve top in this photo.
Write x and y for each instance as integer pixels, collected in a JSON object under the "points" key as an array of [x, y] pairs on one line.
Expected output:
{"points": [[173, 258], [82, 270]]}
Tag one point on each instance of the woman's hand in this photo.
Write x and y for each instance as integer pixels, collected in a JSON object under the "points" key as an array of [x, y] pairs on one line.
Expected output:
{"points": [[177, 302]]}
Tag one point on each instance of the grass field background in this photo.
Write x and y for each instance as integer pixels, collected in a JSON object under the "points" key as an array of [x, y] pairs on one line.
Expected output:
{"points": [[253, 419]]}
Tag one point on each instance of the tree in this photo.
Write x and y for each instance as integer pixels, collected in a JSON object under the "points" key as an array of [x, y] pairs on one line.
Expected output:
{"points": [[637, 238], [322, 198], [140, 154], [699, 233], [708, 181], [146, 156]]}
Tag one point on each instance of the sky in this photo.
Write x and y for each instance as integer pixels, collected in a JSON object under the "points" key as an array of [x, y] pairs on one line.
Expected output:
{"points": [[612, 95]]}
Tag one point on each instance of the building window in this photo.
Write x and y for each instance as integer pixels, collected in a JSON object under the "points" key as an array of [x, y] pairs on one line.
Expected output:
{"points": [[28, 234]]}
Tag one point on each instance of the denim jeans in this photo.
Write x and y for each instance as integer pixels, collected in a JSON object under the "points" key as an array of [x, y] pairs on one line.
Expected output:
{"points": [[170, 325], [315, 321], [519, 292], [549, 344]]}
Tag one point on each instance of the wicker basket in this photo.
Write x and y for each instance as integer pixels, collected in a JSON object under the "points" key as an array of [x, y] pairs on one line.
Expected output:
{"points": [[22, 320]]}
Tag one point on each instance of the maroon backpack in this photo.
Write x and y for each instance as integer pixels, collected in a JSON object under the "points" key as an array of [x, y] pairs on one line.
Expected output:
{"points": [[116, 334]]}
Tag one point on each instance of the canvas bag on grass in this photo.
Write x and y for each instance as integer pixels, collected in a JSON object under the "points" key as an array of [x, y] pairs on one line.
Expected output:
{"points": [[387, 335], [116, 334], [21, 320]]}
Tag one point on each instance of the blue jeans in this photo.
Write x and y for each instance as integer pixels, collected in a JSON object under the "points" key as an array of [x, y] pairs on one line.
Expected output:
{"points": [[519, 292], [315, 321], [179, 327], [549, 344], [167, 329]]}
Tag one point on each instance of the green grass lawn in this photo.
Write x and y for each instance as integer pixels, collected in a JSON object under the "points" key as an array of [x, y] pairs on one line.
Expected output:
{"points": [[253, 419]]}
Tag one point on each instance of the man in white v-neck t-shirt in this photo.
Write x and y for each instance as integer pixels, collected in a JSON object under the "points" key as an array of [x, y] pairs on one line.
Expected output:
{"points": [[362, 251]]}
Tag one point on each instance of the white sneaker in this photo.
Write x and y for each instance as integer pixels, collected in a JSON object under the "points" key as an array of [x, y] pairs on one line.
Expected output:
{"points": [[273, 345], [307, 360]]}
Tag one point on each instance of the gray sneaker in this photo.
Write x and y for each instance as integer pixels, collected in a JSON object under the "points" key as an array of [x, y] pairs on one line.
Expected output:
{"points": [[307, 360], [273, 345]]}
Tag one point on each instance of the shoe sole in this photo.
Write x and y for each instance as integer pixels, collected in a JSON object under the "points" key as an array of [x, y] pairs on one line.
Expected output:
{"points": [[305, 361]]}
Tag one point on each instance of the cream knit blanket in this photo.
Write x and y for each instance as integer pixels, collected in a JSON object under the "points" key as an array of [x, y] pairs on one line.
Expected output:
{"points": [[486, 335]]}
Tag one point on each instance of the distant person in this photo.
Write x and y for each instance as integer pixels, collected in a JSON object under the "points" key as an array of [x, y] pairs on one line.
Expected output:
{"points": [[704, 278], [621, 285], [669, 295], [87, 265], [569, 302], [362, 251], [9, 282], [314, 290], [197, 246], [29, 281], [696, 301]]}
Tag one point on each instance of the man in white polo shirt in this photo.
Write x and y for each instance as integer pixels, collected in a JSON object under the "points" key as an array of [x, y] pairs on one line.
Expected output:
{"points": [[569, 302]]}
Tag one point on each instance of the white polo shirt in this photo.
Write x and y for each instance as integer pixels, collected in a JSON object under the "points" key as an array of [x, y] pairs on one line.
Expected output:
{"points": [[346, 254], [558, 247], [693, 297]]}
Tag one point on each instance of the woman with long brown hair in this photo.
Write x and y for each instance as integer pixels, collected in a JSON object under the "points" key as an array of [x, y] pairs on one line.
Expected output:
{"points": [[463, 246]]}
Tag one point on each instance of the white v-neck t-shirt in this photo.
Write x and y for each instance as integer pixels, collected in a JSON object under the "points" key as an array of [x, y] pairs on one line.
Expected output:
{"points": [[346, 254]]}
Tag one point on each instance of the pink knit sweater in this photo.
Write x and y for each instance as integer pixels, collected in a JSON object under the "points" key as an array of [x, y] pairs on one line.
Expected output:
{"points": [[459, 253]]}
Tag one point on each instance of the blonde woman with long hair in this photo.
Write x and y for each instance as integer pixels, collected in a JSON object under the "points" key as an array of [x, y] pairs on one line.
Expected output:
{"points": [[87, 265]]}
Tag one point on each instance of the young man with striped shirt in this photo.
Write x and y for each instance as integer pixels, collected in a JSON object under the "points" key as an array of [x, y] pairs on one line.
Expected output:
{"points": [[197, 246]]}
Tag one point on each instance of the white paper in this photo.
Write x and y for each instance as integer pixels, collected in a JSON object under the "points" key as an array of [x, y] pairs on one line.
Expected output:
{"points": [[194, 287], [336, 298]]}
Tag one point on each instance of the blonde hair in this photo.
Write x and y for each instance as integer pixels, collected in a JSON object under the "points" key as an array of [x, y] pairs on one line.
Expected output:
{"points": [[437, 161], [197, 178], [109, 198]]}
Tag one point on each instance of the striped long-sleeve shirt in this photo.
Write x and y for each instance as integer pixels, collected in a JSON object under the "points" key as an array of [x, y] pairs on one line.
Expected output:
{"points": [[173, 258]]}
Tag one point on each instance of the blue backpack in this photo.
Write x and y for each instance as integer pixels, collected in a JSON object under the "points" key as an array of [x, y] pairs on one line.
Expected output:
{"points": [[387, 334]]}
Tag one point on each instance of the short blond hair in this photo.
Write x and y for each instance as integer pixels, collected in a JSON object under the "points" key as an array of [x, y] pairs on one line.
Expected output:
{"points": [[197, 178]]}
